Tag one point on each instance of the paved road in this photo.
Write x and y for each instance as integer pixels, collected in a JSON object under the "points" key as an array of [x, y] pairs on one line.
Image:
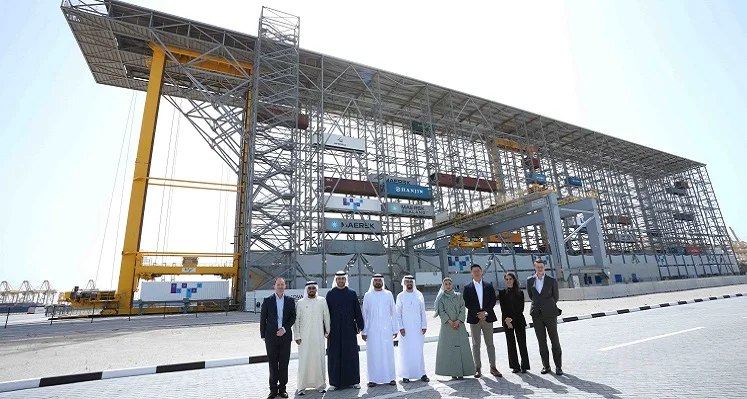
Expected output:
{"points": [[680, 352]]}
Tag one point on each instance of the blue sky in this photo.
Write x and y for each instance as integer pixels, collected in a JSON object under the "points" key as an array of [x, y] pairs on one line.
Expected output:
{"points": [[665, 74]]}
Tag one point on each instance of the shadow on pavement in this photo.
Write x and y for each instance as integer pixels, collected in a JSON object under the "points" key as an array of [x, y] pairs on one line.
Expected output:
{"points": [[504, 387], [542, 383], [588, 386]]}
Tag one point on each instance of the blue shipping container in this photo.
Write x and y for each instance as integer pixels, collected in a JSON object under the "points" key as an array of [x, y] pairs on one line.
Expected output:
{"points": [[406, 191], [678, 250], [574, 181], [538, 178]]}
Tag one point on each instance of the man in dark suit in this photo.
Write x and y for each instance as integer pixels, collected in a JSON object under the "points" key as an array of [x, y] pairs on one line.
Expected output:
{"points": [[479, 298], [543, 292], [275, 321]]}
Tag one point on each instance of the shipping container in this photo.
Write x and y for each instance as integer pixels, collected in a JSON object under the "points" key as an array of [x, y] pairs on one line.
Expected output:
{"points": [[443, 180], [420, 127], [511, 145], [368, 247], [677, 250], [406, 191], [470, 183], [622, 237], [339, 143], [382, 178], [693, 250], [530, 163], [508, 237], [269, 115], [683, 184], [538, 178], [176, 291], [442, 217], [687, 217], [347, 186], [618, 219], [676, 191], [574, 181]]}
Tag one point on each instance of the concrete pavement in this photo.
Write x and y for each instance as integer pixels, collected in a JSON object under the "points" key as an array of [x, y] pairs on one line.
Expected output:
{"points": [[69, 347]]}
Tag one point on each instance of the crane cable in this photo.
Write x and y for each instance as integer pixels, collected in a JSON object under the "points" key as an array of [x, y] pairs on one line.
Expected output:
{"points": [[125, 134], [220, 209], [122, 194], [173, 172], [225, 213], [164, 194]]}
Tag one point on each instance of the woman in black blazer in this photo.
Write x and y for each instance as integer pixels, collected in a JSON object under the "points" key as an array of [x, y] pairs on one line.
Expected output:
{"points": [[511, 299]]}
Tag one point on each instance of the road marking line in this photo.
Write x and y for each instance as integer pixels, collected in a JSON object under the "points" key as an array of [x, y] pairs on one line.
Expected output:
{"points": [[649, 339]]}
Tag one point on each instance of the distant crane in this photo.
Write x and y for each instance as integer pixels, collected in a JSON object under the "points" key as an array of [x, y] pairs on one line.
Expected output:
{"points": [[26, 293]]}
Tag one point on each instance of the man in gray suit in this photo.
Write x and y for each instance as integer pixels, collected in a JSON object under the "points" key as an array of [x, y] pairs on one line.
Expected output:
{"points": [[543, 292]]}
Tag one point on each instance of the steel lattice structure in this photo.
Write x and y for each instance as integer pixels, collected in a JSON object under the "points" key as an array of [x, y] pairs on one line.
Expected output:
{"points": [[649, 201]]}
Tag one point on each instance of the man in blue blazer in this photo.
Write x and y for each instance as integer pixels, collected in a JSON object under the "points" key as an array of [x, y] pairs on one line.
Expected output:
{"points": [[275, 321]]}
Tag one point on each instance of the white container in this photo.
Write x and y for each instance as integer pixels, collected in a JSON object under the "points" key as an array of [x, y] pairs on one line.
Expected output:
{"points": [[179, 290], [350, 204], [342, 143]]}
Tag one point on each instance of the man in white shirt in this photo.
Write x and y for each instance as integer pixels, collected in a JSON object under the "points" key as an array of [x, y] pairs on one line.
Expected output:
{"points": [[479, 298]]}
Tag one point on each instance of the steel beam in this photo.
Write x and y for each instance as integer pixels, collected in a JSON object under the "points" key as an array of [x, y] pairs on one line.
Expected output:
{"points": [[133, 230]]}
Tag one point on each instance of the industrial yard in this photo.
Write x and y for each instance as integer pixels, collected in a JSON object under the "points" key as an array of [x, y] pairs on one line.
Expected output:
{"points": [[298, 163], [342, 166]]}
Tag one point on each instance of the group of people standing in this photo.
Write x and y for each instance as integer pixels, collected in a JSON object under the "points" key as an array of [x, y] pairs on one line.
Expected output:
{"points": [[339, 319], [479, 299]]}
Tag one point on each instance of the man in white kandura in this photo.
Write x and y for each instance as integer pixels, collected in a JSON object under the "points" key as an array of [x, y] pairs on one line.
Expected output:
{"points": [[412, 327], [379, 331], [311, 329]]}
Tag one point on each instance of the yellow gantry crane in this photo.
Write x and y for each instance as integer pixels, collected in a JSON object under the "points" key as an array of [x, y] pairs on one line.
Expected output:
{"points": [[134, 264]]}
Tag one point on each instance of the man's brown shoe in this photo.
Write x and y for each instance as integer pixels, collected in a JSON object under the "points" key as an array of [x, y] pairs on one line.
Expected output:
{"points": [[495, 372]]}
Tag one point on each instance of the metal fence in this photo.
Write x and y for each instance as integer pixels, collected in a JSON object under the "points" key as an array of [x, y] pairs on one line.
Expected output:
{"points": [[61, 312]]}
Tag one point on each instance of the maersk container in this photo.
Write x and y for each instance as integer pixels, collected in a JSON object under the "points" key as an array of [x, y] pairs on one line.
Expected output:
{"points": [[574, 181], [176, 291]]}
